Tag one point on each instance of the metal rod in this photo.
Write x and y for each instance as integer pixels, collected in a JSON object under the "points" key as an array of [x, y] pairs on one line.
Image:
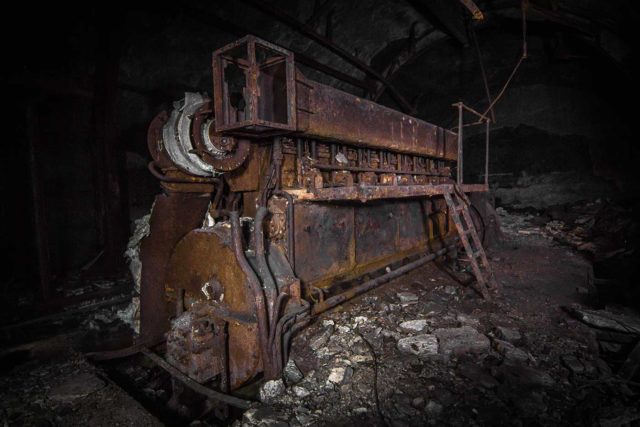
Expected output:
{"points": [[460, 132], [258, 294], [473, 8], [290, 225], [153, 169], [483, 73], [268, 283], [193, 385], [320, 39], [486, 153], [39, 210], [471, 110], [237, 30], [365, 169], [374, 283]]}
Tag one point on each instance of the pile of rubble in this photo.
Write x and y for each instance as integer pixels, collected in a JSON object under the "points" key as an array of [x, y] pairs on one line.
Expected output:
{"points": [[604, 229], [431, 353], [618, 336], [601, 228], [66, 391]]}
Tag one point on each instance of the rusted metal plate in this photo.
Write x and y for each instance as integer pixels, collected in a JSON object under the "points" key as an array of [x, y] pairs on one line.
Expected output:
{"points": [[438, 225], [376, 230], [245, 69], [323, 240], [373, 192], [265, 94], [173, 216], [411, 217], [336, 115], [248, 176], [205, 266], [365, 193]]}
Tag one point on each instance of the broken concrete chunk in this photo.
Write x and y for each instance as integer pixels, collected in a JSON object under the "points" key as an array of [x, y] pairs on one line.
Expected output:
{"points": [[270, 390], [419, 345], [461, 340], [509, 351], [418, 403], [76, 387], [337, 375], [361, 358], [573, 364], [521, 375], [291, 373], [348, 373], [321, 339], [511, 335], [464, 319], [407, 297], [263, 416], [305, 419], [433, 408], [451, 290], [300, 392], [413, 325], [478, 375], [360, 320]]}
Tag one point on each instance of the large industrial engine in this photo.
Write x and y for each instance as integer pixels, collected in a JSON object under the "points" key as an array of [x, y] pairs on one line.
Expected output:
{"points": [[283, 198]]}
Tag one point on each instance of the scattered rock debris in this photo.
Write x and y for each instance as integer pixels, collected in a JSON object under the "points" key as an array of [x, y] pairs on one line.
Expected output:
{"points": [[67, 392], [422, 350], [432, 353]]}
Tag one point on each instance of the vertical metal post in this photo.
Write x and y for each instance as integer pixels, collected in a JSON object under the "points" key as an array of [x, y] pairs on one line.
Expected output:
{"points": [[486, 153], [460, 152], [108, 154], [39, 210]]}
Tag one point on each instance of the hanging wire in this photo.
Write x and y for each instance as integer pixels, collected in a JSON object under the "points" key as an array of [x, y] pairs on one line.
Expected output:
{"points": [[482, 71], [522, 58]]}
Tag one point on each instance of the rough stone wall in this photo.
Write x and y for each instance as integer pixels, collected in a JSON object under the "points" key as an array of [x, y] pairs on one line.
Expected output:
{"points": [[560, 136]]}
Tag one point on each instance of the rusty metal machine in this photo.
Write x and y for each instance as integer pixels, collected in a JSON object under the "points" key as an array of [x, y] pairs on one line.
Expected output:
{"points": [[283, 198]]}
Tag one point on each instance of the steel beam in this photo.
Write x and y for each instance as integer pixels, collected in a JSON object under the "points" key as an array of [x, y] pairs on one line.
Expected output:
{"points": [[322, 40], [237, 30]]}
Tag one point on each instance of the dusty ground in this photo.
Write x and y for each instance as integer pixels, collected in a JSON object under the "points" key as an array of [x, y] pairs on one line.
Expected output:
{"points": [[520, 360], [67, 392]]}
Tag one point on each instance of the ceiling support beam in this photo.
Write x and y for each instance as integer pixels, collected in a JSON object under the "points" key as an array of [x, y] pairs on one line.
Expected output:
{"points": [[303, 29], [444, 15], [474, 9], [237, 30]]}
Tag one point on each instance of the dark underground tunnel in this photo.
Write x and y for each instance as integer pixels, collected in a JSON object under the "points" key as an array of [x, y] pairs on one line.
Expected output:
{"points": [[320, 213]]}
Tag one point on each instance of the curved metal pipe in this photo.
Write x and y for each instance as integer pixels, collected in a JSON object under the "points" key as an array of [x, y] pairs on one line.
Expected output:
{"points": [[277, 348], [258, 294], [275, 317], [159, 175], [282, 326], [289, 334], [268, 282], [195, 386]]}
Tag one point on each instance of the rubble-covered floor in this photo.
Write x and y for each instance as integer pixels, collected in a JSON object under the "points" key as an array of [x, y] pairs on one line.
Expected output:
{"points": [[426, 350], [423, 349]]}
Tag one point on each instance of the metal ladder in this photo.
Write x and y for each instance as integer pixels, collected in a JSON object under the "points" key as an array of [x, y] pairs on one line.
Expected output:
{"points": [[458, 204]]}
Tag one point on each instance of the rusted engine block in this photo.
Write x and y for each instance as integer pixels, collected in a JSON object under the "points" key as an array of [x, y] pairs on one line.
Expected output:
{"points": [[282, 198]]}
